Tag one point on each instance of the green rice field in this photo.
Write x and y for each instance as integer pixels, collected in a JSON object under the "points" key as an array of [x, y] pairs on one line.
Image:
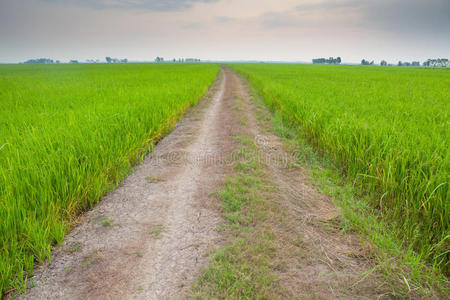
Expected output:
{"points": [[386, 128], [69, 134]]}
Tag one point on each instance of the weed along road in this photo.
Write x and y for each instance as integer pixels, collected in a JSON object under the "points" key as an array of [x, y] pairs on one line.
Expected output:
{"points": [[221, 208]]}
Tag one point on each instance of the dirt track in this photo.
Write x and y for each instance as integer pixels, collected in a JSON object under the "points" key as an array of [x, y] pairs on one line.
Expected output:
{"points": [[150, 238]]}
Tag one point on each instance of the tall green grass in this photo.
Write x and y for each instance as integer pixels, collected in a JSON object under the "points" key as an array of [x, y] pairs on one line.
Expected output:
{"points": [[70, 133], [387, 129]]}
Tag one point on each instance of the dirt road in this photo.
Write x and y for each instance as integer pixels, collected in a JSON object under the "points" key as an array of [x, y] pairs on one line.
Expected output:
{"points": [[150, 238]]}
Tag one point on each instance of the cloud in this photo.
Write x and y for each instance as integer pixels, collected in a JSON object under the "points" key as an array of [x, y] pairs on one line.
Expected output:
{"points": [[195, 25], [220, 20], [272, 20], [224, 20], [327, 5], [311, 17], [156, 5], [410, 17]]}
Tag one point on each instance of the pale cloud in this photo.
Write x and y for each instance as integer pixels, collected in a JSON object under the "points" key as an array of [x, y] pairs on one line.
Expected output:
{"points": [[157, 5], [224, 19], [195, 25], [411, 17], [392, 16], [327, 4]]}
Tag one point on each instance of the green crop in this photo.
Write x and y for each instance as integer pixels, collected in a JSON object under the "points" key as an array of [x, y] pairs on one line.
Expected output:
{"points": [[387, 129], [70, 133]]}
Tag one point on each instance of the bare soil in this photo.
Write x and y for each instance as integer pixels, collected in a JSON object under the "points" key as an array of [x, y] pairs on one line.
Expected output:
{"points": [[150, 238]]}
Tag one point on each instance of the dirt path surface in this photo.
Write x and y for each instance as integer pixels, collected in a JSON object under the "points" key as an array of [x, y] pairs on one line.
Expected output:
{"points": [[150, 238]]}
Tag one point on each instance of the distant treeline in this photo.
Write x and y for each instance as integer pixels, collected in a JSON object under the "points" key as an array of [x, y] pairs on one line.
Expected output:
{"points": [[47, 61], [116, 60], [408, 64], [180, 60], [42, 61], [74, 61], [436, 62], [330, 60], [431, 62]]}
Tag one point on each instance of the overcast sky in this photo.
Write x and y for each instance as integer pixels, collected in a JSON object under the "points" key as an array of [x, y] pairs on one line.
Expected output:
{"points": [[282, 30]]}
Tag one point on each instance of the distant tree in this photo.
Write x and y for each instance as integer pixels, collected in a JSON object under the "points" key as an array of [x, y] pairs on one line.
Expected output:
{"points": [[330, 60], [400, 63], [415, 64], [74, 61], [191, 60], [383, 63], [439, 62], [108, 59], [318, 60], [366, 62], [124, 60], [39, 61]]}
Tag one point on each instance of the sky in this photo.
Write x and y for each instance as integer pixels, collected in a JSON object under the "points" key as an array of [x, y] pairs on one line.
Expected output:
{"points": [[262, 30]]}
